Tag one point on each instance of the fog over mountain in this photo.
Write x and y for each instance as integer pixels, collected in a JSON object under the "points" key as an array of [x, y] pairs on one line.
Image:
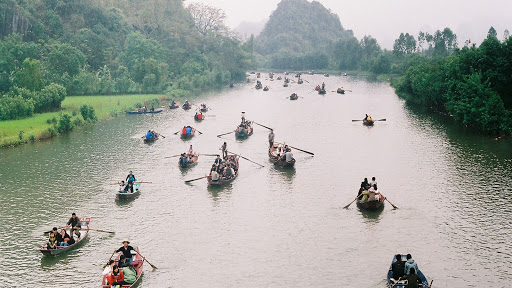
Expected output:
{"points": [[385, 20]]}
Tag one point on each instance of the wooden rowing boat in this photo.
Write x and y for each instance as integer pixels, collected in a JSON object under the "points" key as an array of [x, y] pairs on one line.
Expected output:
{"points": [[138, 265], [277, 158], [243, 132], [294, 96], [300, 81], [188, 136], [266, 88], [222, 180], [371, 205], [258, 86], [322, 91], [199, 117], [368, 122], [204, 109], [175, 106], [121, 195], [192, 162], [186, 106], [340, 91], [151, 140], [390, 283], [145, 112], [84, 232]]}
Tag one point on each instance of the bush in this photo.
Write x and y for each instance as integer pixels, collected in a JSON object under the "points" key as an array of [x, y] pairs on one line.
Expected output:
{"points": [[88, 113], [20, 135], [64, 124], [15, 108], [32, 138], [77, 122]]}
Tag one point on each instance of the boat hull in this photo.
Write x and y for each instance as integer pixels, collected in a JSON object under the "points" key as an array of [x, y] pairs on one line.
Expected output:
{"points": [[63, 249], [242, 133], [272, 154], [371, 205], [129, 195], [368, 123], [195, 158], [145, 112], [223, 181]]}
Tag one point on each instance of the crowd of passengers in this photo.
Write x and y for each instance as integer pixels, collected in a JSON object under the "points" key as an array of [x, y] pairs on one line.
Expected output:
{"points": [[62, 238], [368, 191], [405, 270], [224, 169]]}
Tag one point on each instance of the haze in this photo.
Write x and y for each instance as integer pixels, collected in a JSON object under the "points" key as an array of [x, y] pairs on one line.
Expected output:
{"points": [[385, 20]]}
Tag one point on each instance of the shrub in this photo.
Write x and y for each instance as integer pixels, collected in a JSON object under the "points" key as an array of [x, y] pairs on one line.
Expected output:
{"points": [[88, 113], [64, 124]]}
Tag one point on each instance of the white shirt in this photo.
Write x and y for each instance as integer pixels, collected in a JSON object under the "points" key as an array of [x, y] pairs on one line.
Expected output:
{"points": [[373, 183], [215, 175], [243, 115], [289, 156], [190, 151], [107, 270]]}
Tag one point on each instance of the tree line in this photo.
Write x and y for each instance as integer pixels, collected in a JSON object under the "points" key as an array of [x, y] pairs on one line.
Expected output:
{"points": [[53, 48]]}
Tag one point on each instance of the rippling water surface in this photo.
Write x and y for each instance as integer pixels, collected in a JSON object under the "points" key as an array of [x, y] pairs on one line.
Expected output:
{"points": [[271, 227]]}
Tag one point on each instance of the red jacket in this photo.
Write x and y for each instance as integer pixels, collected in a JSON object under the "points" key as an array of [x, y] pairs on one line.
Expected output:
{"points": [[184, 131], [111, 278]]}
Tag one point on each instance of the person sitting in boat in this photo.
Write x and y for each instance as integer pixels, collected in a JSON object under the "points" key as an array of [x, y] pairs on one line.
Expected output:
{"points": [[108, 268], [214, 174], [173, 103], [365, 183], [200, 116], [410, 264], [122, 261], [74, 222], [128, 186], [413, 280], [52, 239], [150, 135], [130, 178], [373, 182], [365, 196], [63, 238], [116, 277], [183, 160], [127, 251], [323, 85], [121, 186], [152, 108], [184, 130], [218, 161], [289, 156], [397, 268], [144, 109], [130, 275], [372, 192], [229, 172], [189, 130]]}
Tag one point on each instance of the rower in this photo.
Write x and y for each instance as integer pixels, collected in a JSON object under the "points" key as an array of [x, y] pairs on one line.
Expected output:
{"points": [[173, 103], [224, 149], [183, 160], [127, 251], [189, 130], [243, 117], [289, 155], [74, 222], [150, 135], [271, 138], [130, 178], [152, 108], [190, 151], [184, 130], [323, 85]]}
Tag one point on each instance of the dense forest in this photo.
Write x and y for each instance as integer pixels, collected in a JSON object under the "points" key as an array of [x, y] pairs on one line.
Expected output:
{"points": [[53, 48]]}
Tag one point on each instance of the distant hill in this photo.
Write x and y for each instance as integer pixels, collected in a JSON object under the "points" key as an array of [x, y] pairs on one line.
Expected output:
{"points": [[299, 26], [246, 29]]}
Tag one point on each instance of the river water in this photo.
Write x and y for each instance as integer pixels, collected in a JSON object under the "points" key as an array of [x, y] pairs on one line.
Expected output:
{"points": [[271, 227]]}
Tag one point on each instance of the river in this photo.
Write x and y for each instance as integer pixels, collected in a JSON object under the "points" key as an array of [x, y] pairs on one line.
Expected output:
{"points": [[271, 227]]}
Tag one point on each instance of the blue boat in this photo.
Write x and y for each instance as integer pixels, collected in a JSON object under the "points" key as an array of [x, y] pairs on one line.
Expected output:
{"points": [[403, 283], [140, 111]]}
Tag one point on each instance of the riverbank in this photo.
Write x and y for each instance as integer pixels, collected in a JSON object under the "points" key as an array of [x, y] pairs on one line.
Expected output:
{"points": [[41, 126]]}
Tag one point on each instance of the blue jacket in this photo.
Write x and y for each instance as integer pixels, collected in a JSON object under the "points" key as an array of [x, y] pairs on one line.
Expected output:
{"points": [[411, 264], [189, 130], [149, 135]]}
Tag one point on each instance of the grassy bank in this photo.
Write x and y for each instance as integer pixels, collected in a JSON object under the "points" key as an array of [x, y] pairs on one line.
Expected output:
{"points": [[41, 126]]}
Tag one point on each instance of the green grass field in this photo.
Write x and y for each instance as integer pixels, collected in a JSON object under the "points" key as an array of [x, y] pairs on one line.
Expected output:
{"points": [[36, 127]]}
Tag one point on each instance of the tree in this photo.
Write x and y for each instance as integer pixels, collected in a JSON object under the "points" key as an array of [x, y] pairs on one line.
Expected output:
{"points": [[30, 75], [405, 44], [492, 33], [208, 19], [506, 35]]}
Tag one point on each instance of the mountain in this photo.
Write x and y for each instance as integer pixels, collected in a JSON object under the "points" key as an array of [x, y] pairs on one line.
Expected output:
{"points": [[246, 29], [299, 26]]}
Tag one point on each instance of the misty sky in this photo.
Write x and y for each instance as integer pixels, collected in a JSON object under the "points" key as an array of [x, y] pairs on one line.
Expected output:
{"points": [[384, 20]]}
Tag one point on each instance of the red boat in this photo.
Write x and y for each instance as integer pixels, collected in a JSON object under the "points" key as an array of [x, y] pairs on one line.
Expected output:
{"points": [[137, 263]]}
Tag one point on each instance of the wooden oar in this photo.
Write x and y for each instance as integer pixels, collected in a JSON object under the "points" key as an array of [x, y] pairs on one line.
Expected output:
{"points": [[385, 198], [214, 155], [162, 136], [171, 156], [198, 131], [380, 120], [152, 266], [311, 153], [350, 203], [177, 132], [356, 120], [225, 133], [188, 181], [305, 80], [396, 282], [99, 230], [262, 125], [246, 159], [109, 259], [147, 182]]}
